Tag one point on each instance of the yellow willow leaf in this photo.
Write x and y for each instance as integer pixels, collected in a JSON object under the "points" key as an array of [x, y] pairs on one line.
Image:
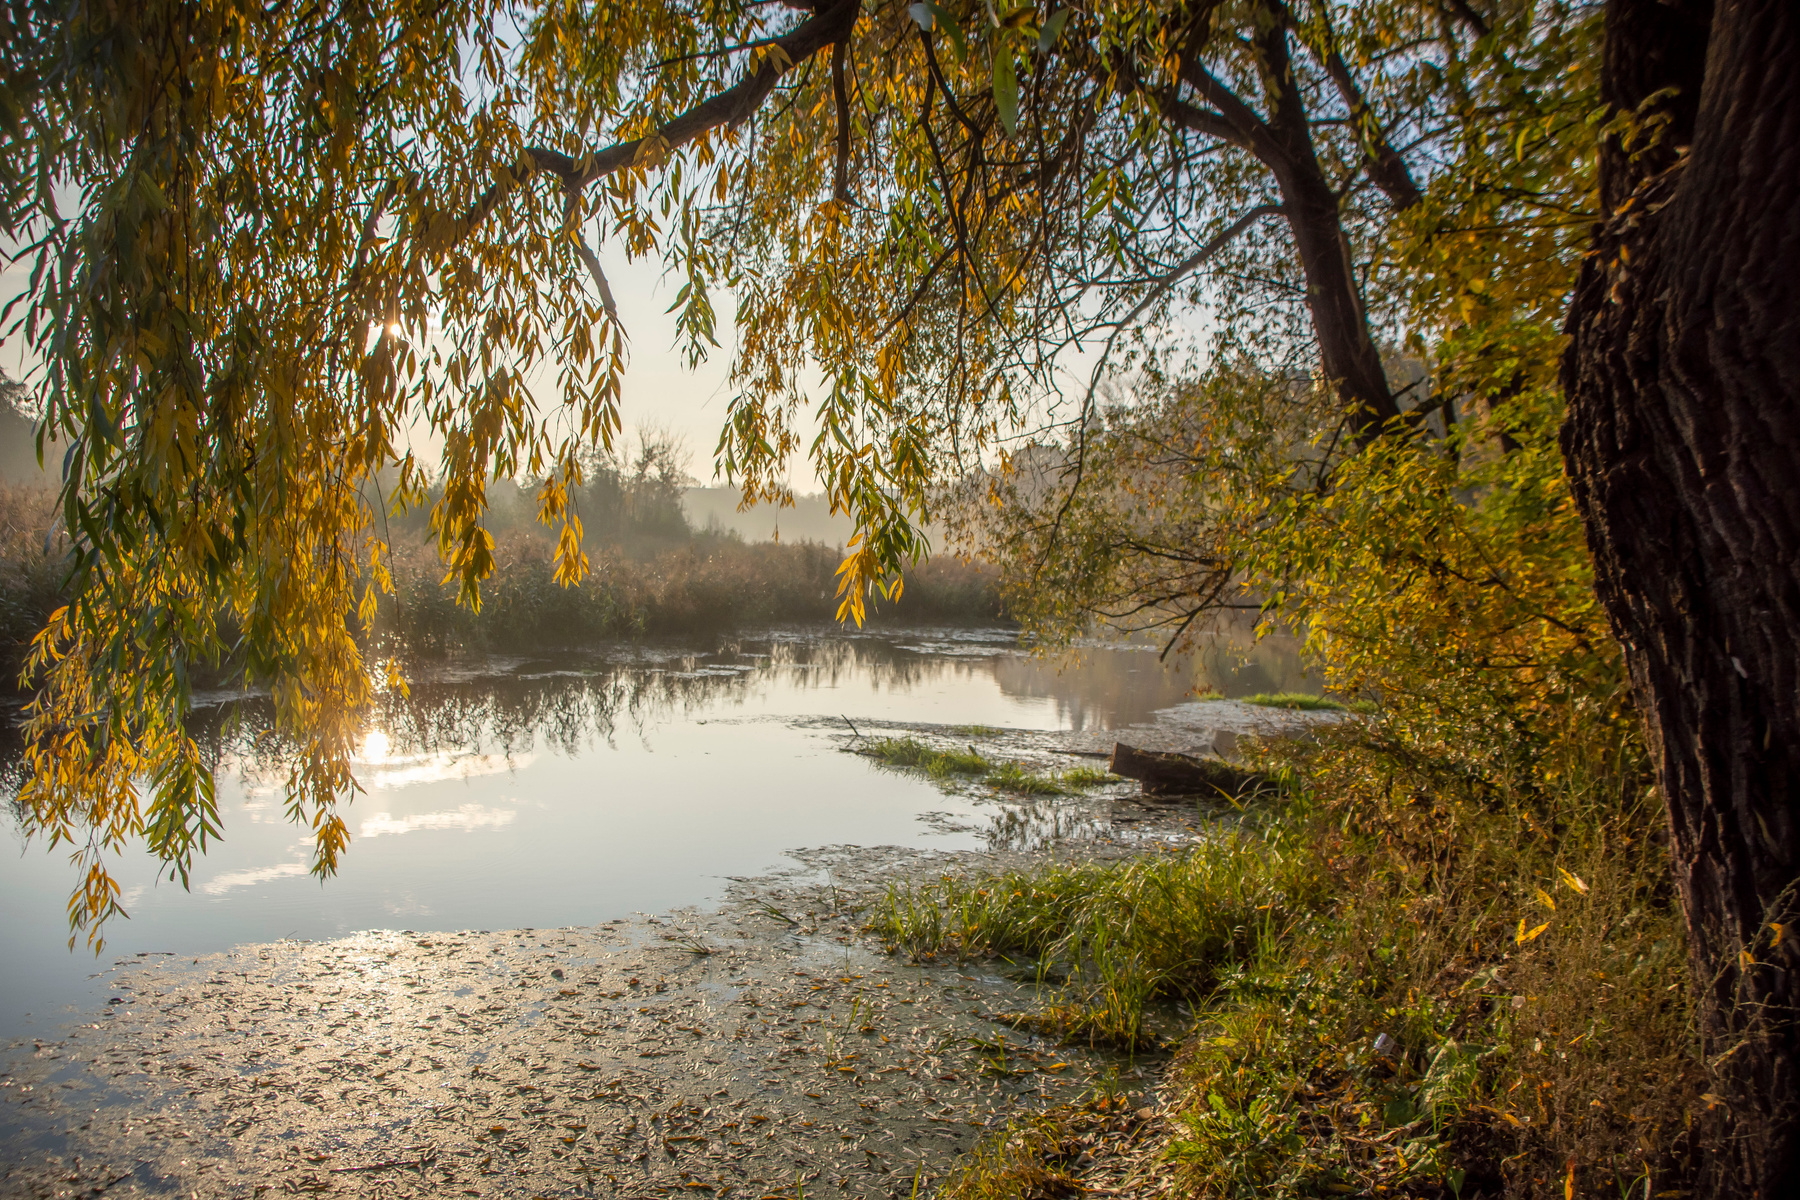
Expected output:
{"points": [[1573, 880], [1545, 900], [1525, 935]]}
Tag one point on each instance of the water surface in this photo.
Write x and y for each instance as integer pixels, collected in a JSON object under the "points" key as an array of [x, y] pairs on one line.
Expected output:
{"points": [[585, 787]]}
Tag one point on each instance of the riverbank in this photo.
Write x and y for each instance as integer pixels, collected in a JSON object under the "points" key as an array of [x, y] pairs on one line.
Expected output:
{"points": [[765, 1048]]}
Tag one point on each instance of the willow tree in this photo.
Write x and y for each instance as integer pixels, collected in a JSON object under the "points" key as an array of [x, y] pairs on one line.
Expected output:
{"points": [[265, 241]]}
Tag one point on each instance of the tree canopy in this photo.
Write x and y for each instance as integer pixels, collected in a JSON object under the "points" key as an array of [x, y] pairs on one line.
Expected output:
{"points": [[266, 240]]}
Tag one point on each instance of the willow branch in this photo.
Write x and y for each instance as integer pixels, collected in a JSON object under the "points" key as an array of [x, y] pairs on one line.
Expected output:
{"points": [[840, 185], [1386, 167], [829, 25]]}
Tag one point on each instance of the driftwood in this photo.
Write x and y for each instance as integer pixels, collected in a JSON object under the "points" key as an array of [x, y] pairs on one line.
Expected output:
{"points": [[1164, 774]]}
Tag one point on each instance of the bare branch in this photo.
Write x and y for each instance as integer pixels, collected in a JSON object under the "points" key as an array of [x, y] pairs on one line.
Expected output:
{"points": [[1385, 166], [830, 24], [1197, 258], [840, 187]]}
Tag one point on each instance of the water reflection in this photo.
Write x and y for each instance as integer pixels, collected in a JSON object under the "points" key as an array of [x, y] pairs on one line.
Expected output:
{"points": [[1025, 826], [576, 789]]}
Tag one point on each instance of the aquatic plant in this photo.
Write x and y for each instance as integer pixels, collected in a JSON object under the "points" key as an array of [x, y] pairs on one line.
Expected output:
{"points": [[947, 763], [912, 753], [1294, 700], [1082, 778], [1016, 777]]}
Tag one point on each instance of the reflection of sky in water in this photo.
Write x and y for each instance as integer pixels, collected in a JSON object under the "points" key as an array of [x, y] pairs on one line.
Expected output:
{"points": [[578, 789]]}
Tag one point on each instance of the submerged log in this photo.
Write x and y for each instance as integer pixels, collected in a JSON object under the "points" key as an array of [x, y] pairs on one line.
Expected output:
{"points": [[1169, 774]]}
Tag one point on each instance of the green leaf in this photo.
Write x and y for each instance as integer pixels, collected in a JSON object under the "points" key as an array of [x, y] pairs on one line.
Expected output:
{"points": [[1006, 89], [1052, 30], [930, 17]]}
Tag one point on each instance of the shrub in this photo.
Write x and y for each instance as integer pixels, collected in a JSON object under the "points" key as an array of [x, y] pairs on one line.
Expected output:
{"points": [[706, 584], [31, 570]]}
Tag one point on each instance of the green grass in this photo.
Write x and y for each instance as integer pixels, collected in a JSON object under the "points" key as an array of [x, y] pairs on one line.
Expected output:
{"points": [[1082, 778], [1119, 935], [939, 764], [909, 753], [1295, 700], [1369, 1015], [1305, 702], [976, 731], [1013, 777]]}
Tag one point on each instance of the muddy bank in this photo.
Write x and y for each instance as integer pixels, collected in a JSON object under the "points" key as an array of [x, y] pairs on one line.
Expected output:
{"points": [[762, 1049]]}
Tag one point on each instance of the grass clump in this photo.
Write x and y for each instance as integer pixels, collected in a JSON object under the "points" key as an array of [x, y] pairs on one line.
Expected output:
{"points": [[908, 752], [1394, 990], [1118, 935], [1307, 702], [1082, 778], [1049, 1154], [1015, 777], [1300, 701]]}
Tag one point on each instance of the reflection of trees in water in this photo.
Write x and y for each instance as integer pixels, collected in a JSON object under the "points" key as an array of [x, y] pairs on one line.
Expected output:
{"points": [[12, 749], [1035, 826], [12, 768], [1104, 688], [575, 703], [830, 661], [509, 715], [568, 705]]}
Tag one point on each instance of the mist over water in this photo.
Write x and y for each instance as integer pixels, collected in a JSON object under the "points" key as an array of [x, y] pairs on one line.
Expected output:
{"points": [[581, 787]]}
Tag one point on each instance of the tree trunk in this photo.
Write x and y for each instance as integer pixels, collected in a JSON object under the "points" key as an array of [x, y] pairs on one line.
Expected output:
{"points": [[1334, 297], [1683, 449], [1283, 142], [1168, 774], [1347, 353]]}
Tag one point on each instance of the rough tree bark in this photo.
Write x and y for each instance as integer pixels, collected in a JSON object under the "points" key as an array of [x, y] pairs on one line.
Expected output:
{"points": [[1683, 447]]}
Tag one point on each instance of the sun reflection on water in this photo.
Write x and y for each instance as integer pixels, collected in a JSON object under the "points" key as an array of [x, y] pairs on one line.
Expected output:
{"points": [[375, 747]]}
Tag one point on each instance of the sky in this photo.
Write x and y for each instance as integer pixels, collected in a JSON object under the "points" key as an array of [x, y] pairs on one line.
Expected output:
{"points": [[660, 390]]}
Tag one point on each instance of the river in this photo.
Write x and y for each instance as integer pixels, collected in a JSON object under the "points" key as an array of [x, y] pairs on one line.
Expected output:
{"points": [[588, 786]]}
